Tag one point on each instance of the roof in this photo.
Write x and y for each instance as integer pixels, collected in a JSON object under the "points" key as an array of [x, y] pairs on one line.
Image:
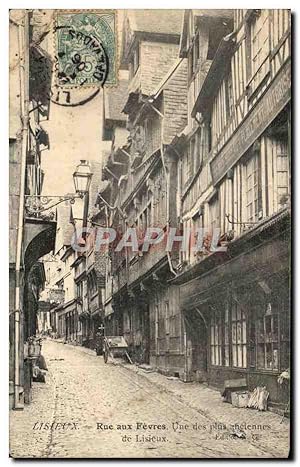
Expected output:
{"points": [[114, 100], [156, 21], [156, 25], [206, 15], [214, 13]]}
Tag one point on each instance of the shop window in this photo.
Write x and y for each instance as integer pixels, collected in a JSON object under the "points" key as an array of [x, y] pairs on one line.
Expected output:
{"points": [[215, 338], [226, 336], [267, 331], [253, 188], [239, 336]]}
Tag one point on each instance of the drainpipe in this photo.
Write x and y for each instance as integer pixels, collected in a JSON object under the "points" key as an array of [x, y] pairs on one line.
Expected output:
{"points": [[23, 40], [167, 177]]}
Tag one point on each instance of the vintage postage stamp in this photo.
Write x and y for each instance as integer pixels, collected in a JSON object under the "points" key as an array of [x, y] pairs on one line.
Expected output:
{"points": [[86, 48]]}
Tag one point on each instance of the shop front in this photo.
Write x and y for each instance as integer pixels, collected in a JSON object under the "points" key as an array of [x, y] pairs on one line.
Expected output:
{"points": [[237, 315]]}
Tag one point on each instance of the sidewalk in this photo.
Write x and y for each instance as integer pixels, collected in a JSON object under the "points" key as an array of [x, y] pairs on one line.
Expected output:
{"points": [[265, 429]]}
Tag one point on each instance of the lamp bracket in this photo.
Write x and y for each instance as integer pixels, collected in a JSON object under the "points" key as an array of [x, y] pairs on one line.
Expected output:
{"points": [[37, 204]]}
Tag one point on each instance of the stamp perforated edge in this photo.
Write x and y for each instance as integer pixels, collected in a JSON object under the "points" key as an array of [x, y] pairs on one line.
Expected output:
{"points": [[117, 55]]}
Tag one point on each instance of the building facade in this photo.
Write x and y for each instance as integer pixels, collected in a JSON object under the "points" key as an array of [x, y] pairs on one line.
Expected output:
{"points": [[140, 304], [30, 235], [208, 148], [236, 302]]}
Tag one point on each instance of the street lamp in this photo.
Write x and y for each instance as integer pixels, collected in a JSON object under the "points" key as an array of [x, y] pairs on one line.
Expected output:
{"points": [[35, 205], [82, 178]]}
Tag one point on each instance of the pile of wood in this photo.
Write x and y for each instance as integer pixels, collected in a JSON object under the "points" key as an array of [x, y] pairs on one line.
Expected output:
{"points": [[259, 398]]}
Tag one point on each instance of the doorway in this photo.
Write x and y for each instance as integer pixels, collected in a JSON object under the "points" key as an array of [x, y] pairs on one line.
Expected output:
{"points": [[197, 345], [146, 335]]}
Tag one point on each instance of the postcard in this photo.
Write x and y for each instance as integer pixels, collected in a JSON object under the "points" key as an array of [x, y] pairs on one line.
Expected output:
{"points": [[150, 233]]}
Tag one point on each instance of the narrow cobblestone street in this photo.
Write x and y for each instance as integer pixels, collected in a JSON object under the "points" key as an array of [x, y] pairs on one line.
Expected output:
{"points": [[99, 410]]}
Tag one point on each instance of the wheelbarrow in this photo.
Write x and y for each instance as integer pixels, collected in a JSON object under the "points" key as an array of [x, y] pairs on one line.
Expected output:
{"points": [[115, 346]]}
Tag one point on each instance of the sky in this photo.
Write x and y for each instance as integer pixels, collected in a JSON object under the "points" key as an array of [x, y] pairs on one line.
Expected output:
{"points": [[74, 134]]}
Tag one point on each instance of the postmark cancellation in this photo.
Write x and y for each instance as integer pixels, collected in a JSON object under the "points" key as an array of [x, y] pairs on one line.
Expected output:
{"points": [[86, 48]]}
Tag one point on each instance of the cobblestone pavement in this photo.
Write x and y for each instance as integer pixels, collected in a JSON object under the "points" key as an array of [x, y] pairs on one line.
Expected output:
{"points": [[97, 410]]}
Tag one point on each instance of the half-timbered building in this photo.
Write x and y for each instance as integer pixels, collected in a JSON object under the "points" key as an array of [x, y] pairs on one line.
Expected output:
{"points": [[143, 307], [235, 177]]}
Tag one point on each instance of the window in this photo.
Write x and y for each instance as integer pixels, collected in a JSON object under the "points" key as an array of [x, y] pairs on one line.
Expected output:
{"points": [[259, 40], [226, 335], [280, 24], [229, 95], [156, 329], [215, 338], [139, 138], [239, 336], [108, 134], [80, 290], [167, 318], [92, 284], [282, 163], [258, 45], [198, 150], [192, 149], [253, 188], [214, 212], [267, 339], [12, 150], [187, 166]]}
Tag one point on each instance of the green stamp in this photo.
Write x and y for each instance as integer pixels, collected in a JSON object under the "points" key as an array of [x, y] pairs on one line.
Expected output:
{"points": [[86, 48]]}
